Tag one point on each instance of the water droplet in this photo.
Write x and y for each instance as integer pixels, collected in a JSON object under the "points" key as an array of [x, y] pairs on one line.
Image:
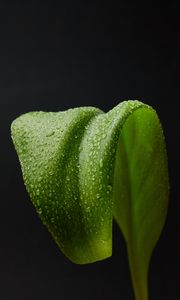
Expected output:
{"points": [[102, 241], [50, 134], [39, 179], [101, 163], [100, 187], [109, 187]]}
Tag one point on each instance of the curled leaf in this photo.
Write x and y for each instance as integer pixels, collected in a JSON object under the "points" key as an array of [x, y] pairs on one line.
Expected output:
{"points": [[83, 167]]}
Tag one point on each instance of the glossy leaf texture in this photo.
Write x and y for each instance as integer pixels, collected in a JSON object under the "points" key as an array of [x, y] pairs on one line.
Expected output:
{"points": [[83, 167]]}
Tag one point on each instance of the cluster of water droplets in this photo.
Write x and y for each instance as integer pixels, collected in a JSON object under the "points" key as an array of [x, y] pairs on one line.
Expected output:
{"points": [[68, 160]]}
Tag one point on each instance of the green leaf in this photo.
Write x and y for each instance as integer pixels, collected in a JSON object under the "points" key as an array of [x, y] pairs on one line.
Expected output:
{"points": [[83, 167]]}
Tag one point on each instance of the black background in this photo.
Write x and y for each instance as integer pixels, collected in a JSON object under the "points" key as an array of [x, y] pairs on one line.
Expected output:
{"points": [[56, 56]]}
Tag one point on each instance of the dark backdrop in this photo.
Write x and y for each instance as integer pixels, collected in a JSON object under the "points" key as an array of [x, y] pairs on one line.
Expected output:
{"points": [[57, 56]]}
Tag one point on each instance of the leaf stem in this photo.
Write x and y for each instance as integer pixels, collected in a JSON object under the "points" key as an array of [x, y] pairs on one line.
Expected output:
{"points": [[138, 275]]}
